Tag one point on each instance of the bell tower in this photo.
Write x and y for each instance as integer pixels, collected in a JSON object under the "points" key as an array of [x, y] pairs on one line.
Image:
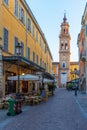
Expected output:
{"points": [[64, 53]]}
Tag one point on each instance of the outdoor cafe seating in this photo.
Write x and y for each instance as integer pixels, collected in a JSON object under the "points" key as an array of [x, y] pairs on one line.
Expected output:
{"points": [[32, 100]]}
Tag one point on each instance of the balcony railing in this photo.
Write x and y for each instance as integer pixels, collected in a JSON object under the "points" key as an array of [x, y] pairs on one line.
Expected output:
{"points": [[83, 56]]}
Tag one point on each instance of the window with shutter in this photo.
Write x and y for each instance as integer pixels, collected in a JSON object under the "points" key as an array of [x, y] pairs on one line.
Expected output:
{"points": [[33, 30], [33, 56], [40, 62], [5, 46], [22, 16], [37, 36], [16, 8], [22, 51], [28, 53], [28, 25], [37, 59], [86, 30], [6, 2], [40, 41]]}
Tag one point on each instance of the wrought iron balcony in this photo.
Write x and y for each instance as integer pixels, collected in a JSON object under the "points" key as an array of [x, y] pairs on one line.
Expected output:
{"points": [[83, 56]]}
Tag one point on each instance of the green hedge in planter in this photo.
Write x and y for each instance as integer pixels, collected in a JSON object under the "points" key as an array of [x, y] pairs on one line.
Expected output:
{"points": [[51, 87], [69, 86]]}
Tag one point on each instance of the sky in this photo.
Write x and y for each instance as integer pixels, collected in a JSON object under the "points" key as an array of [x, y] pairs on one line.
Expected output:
{"points": [[49, 15]]}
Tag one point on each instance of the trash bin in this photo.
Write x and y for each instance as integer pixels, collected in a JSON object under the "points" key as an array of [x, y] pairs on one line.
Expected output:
{"points": [[43, 95], [11, 107]]}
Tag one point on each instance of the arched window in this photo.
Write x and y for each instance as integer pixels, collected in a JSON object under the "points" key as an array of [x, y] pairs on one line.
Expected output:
{"points": [[64, 65], [64, 31], [62, 46], [66, 46]]}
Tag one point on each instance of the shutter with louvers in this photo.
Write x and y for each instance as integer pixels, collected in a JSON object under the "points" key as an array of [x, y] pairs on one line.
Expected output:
{"points": [[16, 8], [5, 39], [22, 51], [28, 53], [86, 30]]}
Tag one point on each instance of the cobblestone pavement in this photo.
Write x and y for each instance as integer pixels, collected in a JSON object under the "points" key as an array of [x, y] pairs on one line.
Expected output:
{"points": [[63, 111], [81, 100]]}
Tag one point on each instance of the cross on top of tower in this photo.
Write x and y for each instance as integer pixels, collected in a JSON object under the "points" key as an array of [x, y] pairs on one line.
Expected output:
{"points": [[64, 19]]}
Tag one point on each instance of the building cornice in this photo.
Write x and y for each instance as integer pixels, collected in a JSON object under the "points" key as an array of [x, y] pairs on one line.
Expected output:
{"points": [[74, 63], [54, 63]]}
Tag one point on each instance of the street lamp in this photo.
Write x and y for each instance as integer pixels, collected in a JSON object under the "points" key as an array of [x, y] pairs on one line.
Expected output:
{"points": [[75, 71], [42, 80], [18, 52]]}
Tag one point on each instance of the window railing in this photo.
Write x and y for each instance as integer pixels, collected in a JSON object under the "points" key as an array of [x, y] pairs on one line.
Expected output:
{"points": [[82, 55]]}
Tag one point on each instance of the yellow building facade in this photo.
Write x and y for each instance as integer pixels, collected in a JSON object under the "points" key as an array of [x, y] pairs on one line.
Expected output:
{"points": [[18, 25], [72, 75], [73, 66], [32, 35]]}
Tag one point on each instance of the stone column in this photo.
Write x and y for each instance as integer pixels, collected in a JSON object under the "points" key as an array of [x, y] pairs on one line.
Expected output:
{"points": [[36, 86], [1, 73]]}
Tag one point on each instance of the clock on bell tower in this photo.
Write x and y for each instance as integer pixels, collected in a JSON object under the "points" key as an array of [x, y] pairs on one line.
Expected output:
{"points": [[64, 52]]}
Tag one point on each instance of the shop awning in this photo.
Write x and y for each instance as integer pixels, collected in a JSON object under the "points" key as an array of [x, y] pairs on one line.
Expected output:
{"points": [[26, 77], [24, 63]]}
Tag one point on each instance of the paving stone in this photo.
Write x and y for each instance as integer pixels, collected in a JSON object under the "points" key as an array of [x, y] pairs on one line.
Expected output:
{"points": [[63, 111]]}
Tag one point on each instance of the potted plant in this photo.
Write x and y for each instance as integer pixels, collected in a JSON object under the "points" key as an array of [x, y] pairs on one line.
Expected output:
{"points": [[69, 86]]}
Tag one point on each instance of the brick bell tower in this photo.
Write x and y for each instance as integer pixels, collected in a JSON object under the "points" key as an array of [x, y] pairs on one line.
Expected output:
{"points": [[64, 53]]}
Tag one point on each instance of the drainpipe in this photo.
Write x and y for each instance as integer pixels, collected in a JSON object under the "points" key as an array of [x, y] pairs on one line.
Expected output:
{"points": [[1, 73], [86, 76], [85, 41]]}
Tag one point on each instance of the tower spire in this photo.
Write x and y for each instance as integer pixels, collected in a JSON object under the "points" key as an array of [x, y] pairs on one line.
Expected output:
{"points": [[64, 19]]}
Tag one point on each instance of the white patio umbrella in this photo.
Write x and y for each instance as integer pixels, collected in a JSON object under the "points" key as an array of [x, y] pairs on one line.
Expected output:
{"points": [[48, 80], [26, 77]]}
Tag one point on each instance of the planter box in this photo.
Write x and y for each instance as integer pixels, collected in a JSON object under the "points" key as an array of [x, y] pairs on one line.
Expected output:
{"points": [[1, 105]]}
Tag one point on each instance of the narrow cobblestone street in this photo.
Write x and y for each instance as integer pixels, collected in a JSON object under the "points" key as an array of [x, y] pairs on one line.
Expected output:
{"points": [[63, 111]]}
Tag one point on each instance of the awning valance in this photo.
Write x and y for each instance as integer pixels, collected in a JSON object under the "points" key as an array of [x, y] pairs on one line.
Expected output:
{"points": [[47, 80], [29, 77], [26, 77]]}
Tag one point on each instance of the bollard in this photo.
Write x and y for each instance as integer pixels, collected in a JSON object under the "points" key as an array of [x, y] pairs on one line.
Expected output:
{"points": [[75, 91], [46, 95]]}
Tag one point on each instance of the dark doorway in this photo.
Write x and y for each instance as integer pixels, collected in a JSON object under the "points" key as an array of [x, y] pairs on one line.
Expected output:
{"points": [[10, 85]]}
